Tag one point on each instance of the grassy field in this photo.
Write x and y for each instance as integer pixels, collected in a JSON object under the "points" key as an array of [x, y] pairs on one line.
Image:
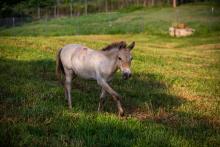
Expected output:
{"points": [[171, 100]]}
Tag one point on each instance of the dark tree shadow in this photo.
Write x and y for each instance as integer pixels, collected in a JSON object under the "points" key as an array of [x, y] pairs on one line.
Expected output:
{"points": [[141, 91]]}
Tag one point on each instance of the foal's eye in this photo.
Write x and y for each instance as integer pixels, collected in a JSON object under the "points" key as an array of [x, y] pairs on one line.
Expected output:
{"points": [[131, 58], [119, 58]]}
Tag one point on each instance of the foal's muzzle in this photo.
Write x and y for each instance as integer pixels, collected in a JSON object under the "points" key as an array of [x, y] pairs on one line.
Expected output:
{"points": [[126, 75]]}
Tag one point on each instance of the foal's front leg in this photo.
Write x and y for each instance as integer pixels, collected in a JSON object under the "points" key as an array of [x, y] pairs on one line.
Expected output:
{"points": [[114, 94]]}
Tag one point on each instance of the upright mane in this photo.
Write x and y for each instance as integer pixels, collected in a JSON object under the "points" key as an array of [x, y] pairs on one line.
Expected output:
{"points": [[118, 45]]}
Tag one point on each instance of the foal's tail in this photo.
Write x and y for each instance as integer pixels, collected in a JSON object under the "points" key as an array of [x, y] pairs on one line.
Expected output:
{"points": [[59, 67]]}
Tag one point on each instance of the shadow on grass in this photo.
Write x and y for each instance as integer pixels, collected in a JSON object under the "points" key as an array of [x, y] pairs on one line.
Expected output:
{"points": [[33, 110], [23, 79], [69, 131]]}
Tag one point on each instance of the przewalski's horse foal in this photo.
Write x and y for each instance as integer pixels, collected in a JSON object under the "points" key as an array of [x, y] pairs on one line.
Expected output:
{"points": [[75, 59]]}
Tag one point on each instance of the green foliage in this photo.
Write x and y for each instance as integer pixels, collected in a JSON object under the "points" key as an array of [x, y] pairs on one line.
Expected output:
{"points": [[41, 3], [131, 9]]}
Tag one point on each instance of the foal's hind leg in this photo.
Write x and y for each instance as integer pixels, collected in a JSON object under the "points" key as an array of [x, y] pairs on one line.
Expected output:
{"points": [[102, 100], [67, 85]]}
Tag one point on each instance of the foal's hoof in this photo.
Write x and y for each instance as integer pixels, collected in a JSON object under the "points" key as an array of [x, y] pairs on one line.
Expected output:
{"points": [[121, 114], [100, 110]]}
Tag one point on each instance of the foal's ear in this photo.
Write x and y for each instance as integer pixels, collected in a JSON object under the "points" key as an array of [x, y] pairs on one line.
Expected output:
{"points": [[131, 46], [122, 45]]}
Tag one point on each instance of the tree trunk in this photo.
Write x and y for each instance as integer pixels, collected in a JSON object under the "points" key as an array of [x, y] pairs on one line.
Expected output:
{"points": [[55, 11], [137, 2], [57, 8], [145, 3], [174, 3], [38, 12], [71, 10], [168, 2], [106, 5], [152, 2], [58, 11], [86, 5]]}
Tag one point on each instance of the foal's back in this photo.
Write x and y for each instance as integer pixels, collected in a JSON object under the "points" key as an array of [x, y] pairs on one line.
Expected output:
{"points": [[82, 60]]}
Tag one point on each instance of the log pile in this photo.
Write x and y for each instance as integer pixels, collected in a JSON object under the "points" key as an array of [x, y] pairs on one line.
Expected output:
{"points": [[180, 30]]}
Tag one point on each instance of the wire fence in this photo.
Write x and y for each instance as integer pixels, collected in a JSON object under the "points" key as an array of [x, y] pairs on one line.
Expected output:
{"points": [[14, 21], [75, 9]]}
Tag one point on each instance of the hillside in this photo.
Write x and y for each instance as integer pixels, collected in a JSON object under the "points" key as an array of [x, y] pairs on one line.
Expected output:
{"points": [[149, 20]]}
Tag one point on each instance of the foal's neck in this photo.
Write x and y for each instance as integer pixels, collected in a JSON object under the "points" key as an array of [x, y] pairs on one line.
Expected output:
{"points": [[111, 54]]}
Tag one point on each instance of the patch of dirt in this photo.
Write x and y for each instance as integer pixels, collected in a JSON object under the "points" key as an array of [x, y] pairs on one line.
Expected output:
{"points": [[159, 116], [173, 119], [209, 46], [185, 93]]}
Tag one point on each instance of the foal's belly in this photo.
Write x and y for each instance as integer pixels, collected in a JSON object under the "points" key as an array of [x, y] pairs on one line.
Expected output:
{"points": [[85, 75], [84, 70]]}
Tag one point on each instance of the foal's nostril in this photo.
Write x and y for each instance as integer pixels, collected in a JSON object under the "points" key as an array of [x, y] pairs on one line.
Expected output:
{"points": [[126, 75]]}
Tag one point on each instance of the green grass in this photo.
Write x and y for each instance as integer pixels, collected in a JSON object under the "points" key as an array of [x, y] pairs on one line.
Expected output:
{"points": [[171, 100]]}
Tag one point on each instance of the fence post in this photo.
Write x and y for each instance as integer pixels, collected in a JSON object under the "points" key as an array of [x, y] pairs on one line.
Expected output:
{"points": [[57, 8], [55, 11], [13, 21], [212, 10], [38, 12], [86, 5], [71, 11], [106, 5]]}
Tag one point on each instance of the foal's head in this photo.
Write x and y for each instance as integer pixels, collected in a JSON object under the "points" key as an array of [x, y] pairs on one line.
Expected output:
{"points": [[124, 59]]}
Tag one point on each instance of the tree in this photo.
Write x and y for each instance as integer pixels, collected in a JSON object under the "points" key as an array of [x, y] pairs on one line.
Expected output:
{"points": [[41, 3], [174, 3], [86, 6]]}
